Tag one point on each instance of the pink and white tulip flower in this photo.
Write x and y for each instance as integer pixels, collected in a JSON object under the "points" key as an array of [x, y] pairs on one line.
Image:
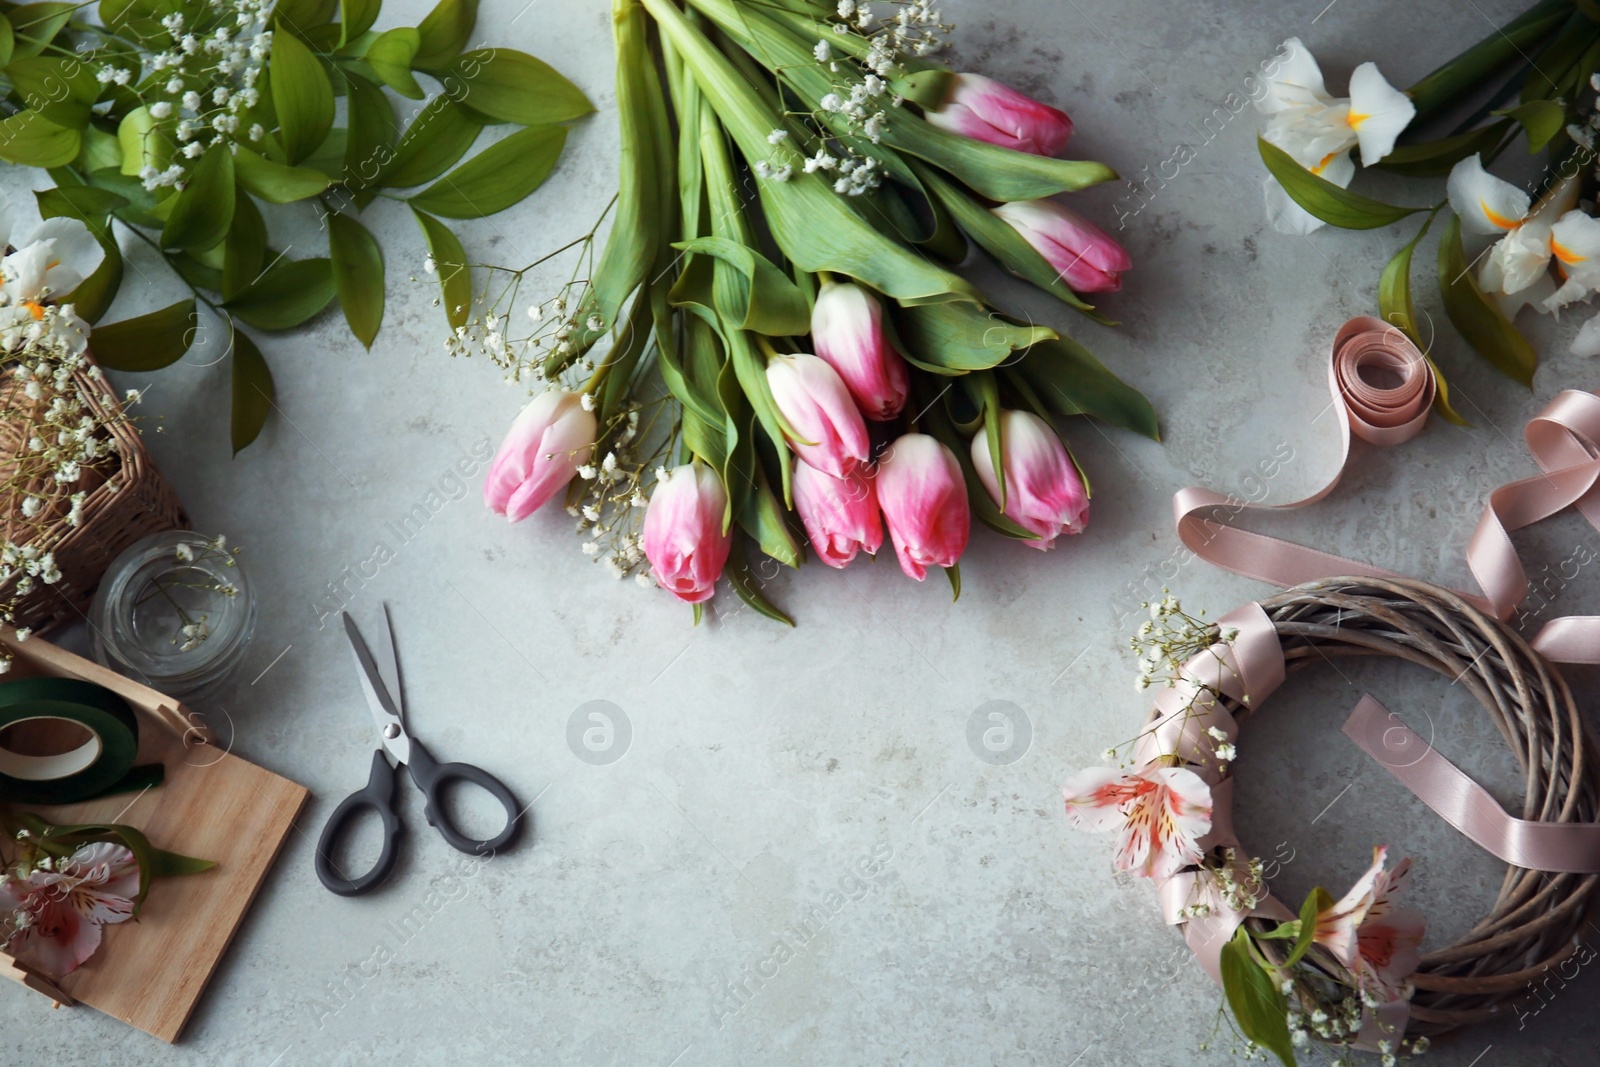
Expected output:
{"points": [[547, 443], [1044, 494], [847, 328], [1159, 814], [683, 536], [991, 111], [840, 514], [1375, 939], [924, 502], [1083, 255], [831, 434]]}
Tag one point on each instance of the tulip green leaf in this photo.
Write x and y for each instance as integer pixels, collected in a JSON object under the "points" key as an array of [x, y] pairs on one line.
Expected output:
{"points": [[810, 223], [61, 88], [436, 138], [450, 261], [1067, 377], [391, 56], [1396, 308], [985, 393], [771, 304], [253, 391], [748, 585], [760, 514], [956, 338], [276, 183], [357, 275], [148, 342], [444, 32], [1476, 317], [512, 86], [1434, 159], [953, 573], [1540, 119], [496, 178], [202, 212], [356, 17], [288, 293], [32, 140], [1258, 1005], [301, 96], [245, 251], [1327, 201]]}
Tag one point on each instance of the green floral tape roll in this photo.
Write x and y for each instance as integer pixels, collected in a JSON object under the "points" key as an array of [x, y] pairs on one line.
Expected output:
{"points": [[102, 764]]}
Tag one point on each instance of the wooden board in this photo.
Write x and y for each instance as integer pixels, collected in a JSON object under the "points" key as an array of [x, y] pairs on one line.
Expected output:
{"points": [[151, 972]]}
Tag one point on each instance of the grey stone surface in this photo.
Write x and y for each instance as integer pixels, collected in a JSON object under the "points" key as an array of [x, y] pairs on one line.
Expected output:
{"points": [[766, 764]]}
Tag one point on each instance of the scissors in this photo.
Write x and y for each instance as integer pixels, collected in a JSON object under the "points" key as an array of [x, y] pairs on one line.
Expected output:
{"points": [[380, 681]]}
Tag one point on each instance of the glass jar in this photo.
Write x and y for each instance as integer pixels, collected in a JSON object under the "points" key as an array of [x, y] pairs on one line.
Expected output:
{"points": [[176, 612]]}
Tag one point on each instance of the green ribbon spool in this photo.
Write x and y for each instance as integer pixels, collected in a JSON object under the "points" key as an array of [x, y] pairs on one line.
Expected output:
{"points": [[101, 765]]}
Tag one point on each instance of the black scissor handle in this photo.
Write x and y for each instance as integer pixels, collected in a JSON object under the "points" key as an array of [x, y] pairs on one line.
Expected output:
{"points": [[431, 775], [377, 795]]}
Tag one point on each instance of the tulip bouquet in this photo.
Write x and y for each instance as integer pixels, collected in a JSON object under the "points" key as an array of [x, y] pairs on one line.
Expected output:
{"points": [[772, 346], [1539, 250]]}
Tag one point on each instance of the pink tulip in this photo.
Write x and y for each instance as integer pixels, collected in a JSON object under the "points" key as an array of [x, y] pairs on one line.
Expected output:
{"points": [[987, 110], [847, 328], [1084, 256], [683, 536], [817, 403], [840, 514], [1044, 494], [924, 501], [547, 443]]}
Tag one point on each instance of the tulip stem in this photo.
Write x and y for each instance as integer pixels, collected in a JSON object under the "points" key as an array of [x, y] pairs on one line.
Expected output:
{"points": [[766, 346]]}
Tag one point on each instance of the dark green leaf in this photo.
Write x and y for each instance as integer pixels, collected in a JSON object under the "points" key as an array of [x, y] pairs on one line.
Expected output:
{"points": [[515, 87], [391, 56], [301, 96], [1476, 317], [1071, 380], [35, 25], [953, 573], [436, 138], [84, 202], [746, 583], [303, 16], [1333, 205], [288, 293], [274, 182], [955, 338], [356, 17], [253, 391], [148, 342], [496, 178], [34, 141], [93, 296], [1540, 119], [1396, 308], [164, 864], [61, 88], [98, 149], [1433, 159], [358, 275], [450, 261], [371, 140], [1258, 1005], [1318, 900], [203, 211], [246, 251], [7, 42], [444, 32]]}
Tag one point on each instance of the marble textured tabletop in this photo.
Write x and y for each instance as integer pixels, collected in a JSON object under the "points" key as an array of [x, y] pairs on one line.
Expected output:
{"points": [[794, 852]]}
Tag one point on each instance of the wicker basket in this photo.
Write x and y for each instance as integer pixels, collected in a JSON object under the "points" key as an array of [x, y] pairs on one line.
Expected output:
{"points": [[128, 499]]}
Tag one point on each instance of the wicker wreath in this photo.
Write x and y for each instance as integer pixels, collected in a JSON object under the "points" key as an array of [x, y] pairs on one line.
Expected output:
{"points": [[1537, 917]]}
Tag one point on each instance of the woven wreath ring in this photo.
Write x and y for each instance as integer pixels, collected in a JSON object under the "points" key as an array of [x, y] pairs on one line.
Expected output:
{"points": [[1537, 917]]}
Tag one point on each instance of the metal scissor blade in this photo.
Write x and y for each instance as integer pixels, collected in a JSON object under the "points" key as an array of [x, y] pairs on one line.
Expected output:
{"points": [[386, 657], [380, 699]]}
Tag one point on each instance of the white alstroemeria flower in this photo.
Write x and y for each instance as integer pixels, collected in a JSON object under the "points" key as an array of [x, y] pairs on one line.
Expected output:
{"points": [[1319, 130], [1531, 236], [58, 255]]}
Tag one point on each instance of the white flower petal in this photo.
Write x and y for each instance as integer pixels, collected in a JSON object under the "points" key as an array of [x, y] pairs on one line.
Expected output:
{"points": [[1297, 83], [1485, 204], [1378, 112], [1587, 343], [74, 253], [1518, 259]]}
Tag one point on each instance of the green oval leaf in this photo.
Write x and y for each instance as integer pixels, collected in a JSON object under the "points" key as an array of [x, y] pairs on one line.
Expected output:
{"points": [[358, 275], [274, 182], [7, 41], [301, 96], [34, 141], [246, 248], [356, 17], [94, 295], [142, 146], [450, 262], [1258, 1005], [444, 32], [436, 138], [497, 177], [1476, 317], [1540, 119], [34, 26], [371, 140], [288, 293], [148, 342], [391, 56], [203, 210], [60, 88], [303, 16], [515, 87], [1333, 205], [253, 391]]}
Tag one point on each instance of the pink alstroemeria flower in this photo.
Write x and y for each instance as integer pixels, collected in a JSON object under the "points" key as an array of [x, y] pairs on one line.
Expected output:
{"points": [[991, 111], [1160, 814], [54, 917], [1371, 935]]}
